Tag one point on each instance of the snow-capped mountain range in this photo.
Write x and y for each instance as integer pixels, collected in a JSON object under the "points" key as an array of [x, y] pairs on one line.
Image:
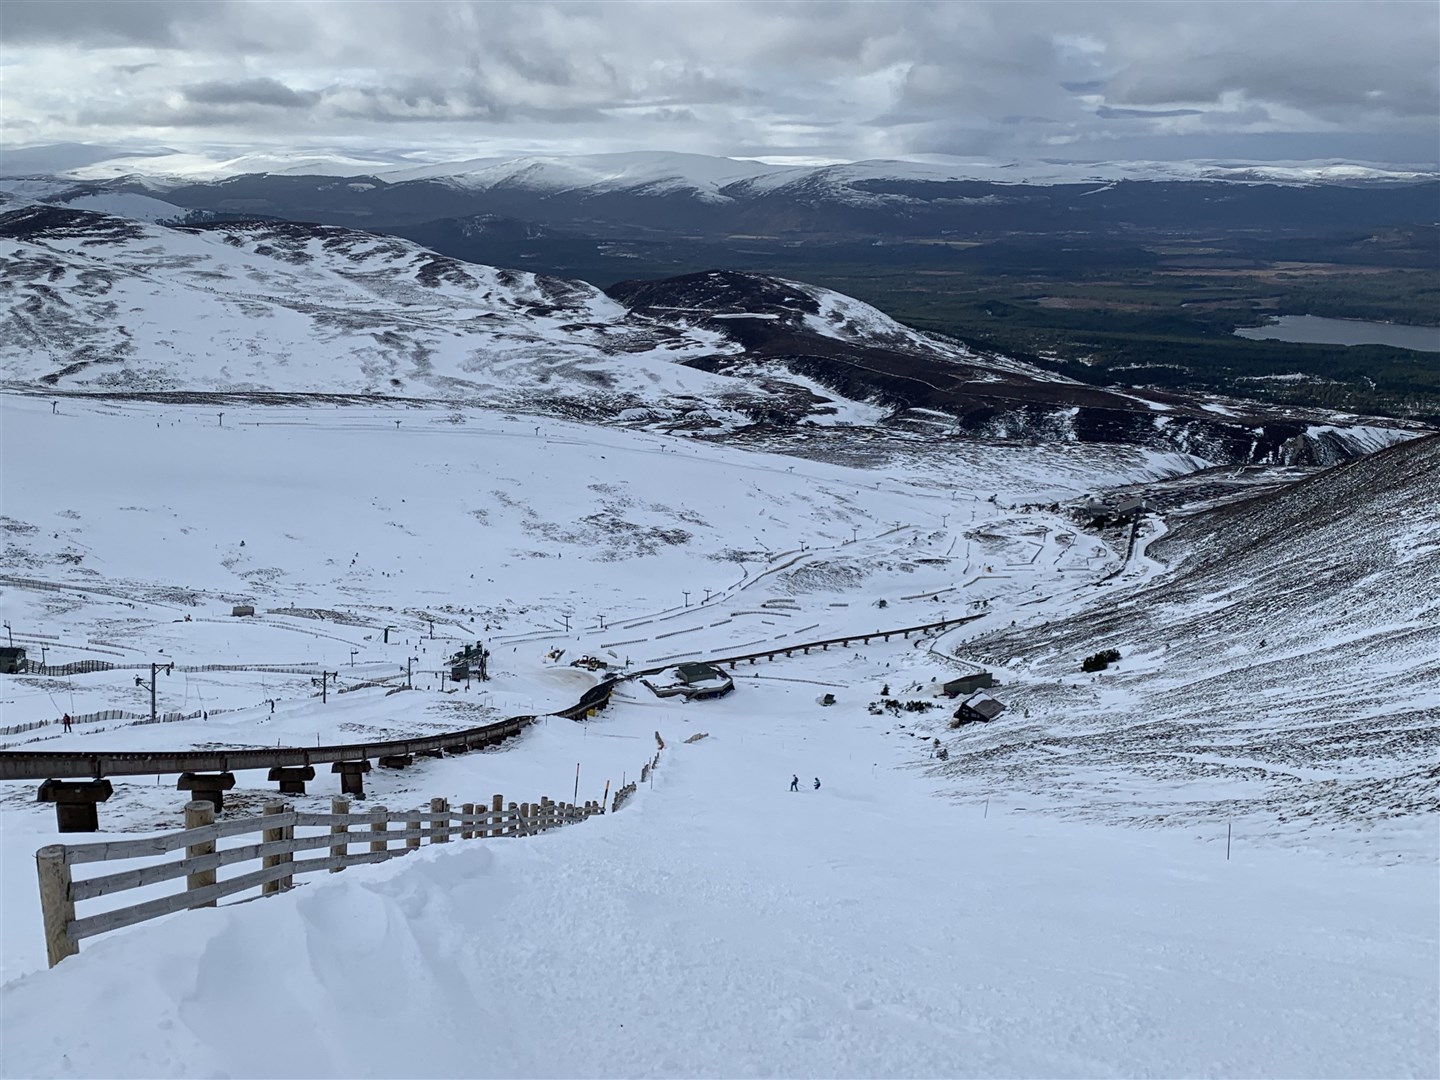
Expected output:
{"points": [[701, 173], [653, 194], [96, 303]]}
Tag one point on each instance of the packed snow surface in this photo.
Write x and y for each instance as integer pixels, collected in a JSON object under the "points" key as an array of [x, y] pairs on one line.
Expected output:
{"points": [[721, 925], [1034, 917]]}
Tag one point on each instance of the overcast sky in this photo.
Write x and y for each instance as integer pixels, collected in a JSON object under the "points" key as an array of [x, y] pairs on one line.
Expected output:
{"points": [[823, 80]]}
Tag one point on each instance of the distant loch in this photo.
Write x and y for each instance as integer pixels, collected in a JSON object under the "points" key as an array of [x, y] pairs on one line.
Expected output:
{"points": [[1314, 330]]}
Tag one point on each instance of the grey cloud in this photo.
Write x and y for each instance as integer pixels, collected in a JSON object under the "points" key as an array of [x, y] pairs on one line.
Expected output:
{"points": [[1107, 112], [835, 79], [261, 91], [101, 23], [672, 116], [432, 103]]}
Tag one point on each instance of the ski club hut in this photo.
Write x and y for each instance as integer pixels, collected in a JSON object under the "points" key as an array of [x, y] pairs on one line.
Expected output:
{"points": [[12, 660], [979, 707], [692, 681]]}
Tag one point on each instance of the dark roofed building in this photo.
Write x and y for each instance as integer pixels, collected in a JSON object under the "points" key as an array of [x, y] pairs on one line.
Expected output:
{"points": [[979, 707], [968, 684], [693, 680], [12, 660], [697, 673]]}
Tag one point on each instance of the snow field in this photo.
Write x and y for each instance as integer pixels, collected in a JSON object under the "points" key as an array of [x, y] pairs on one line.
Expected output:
{"points": [[901, 920], [721, 925], [488, 526]]}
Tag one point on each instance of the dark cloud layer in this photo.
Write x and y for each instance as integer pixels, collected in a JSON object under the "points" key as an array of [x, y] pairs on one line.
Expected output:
{"points": [[829, 79]]}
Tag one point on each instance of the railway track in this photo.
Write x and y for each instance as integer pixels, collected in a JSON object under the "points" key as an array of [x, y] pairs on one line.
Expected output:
{"points": [[46, 765]]}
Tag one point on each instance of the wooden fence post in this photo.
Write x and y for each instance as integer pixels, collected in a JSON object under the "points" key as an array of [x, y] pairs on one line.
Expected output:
{"points": [[339, 806], [269, 836], [547, 813], [288, 832], [56, 907], [524, 824], [378, 828], [439, 830], [412, 824], [467, 823], [497, 807], [512, 824], [198, 814]]}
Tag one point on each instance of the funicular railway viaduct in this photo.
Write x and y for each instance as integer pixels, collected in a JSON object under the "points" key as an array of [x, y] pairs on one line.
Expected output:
{"points": [[77, 782]]}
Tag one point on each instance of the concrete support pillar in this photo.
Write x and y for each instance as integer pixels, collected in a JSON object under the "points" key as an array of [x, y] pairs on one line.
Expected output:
{"points": [[292, 778], [76, 802], [352, 777], [208, 786]]}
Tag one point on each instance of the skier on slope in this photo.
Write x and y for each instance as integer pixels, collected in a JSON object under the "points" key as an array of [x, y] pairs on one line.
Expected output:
{"points": [[817, 783], [795, 782]]}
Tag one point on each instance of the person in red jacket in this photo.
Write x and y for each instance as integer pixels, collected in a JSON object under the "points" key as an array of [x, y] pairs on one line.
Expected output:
{"points": [[66, 721]]}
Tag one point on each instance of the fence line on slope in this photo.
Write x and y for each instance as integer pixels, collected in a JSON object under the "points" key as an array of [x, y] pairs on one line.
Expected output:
{"points": [[113, 714], [60, 891], [86, 667]]}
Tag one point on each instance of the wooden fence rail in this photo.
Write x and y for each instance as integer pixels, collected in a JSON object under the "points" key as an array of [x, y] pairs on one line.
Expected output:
{"points": [[370, 830]]}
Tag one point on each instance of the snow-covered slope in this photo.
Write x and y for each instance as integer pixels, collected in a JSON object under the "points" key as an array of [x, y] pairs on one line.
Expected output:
{"points": [[106, 304], [1288, 667], [719, 925], [95, 303], [874, 928]]}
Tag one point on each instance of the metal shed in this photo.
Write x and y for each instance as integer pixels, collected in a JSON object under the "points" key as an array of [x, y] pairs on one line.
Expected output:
{"points": [[968, 684]]}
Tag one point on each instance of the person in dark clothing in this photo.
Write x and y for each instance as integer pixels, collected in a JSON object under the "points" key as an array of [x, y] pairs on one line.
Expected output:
{"points": [[817, 783], [66, 721], [795, 782]]}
